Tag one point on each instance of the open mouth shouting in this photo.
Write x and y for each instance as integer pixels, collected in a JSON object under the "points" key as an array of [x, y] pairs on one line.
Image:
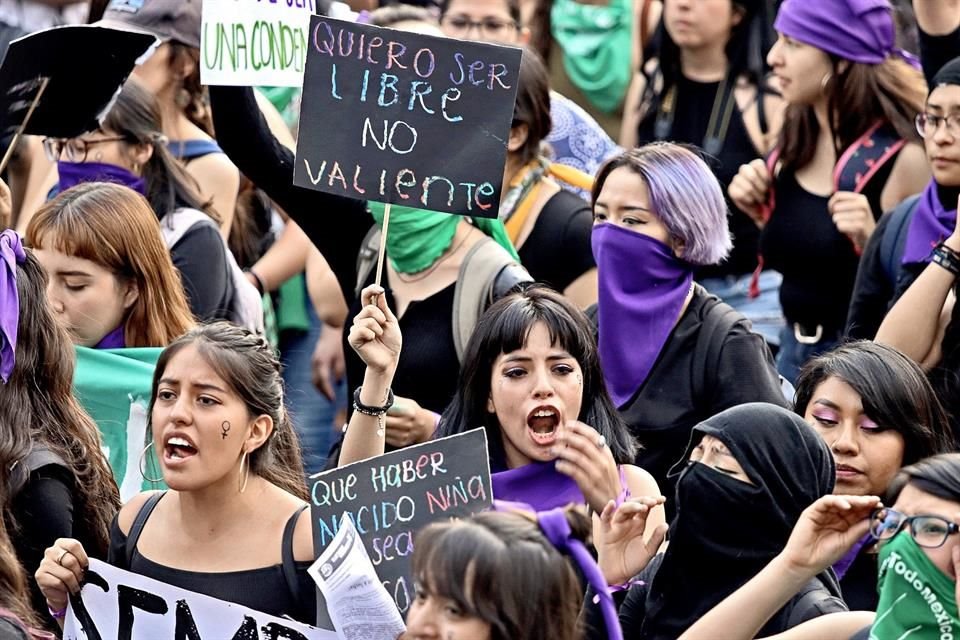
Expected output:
{"points": [[177, 449], [542, 424]]}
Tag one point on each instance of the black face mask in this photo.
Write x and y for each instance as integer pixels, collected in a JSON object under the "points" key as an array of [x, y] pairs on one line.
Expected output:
{"points": [[726, 529]]}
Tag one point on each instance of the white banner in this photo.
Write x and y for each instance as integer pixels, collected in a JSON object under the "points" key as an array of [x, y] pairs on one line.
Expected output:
{"points": [[119, 605], [255, 43]]}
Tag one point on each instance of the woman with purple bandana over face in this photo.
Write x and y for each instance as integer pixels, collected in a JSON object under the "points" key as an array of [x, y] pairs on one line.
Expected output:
{"points": [[672, 354], [54, 479], [848, 151]]}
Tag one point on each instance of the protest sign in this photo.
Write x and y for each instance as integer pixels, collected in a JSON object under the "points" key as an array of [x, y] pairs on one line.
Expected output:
{"points": [[113, 385], [117, 604], [361, 609], [405, 118], [390, 497], [254, 42]]}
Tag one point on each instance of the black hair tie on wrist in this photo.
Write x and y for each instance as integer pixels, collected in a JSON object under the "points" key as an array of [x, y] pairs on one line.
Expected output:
{"points": [[376, 412]]}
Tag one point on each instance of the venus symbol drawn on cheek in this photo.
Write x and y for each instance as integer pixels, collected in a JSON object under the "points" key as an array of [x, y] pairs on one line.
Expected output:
{"points": [[224, 430]]}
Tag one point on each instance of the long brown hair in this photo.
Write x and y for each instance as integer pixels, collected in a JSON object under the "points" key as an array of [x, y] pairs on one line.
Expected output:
{"points": [[860, 95], [37, 407], [195, 103], [13, 583], [114, 227], [248, 364]]}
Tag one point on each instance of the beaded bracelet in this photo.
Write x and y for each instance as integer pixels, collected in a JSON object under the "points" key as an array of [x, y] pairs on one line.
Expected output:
{"points": [[374, 412]]}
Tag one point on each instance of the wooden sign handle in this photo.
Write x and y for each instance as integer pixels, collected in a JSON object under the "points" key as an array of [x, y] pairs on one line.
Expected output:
{"points": [[383, 241], [23, 125]]}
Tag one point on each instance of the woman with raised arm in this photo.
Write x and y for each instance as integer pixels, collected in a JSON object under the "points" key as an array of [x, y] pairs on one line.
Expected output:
{"points": [[848, 151], [230, 457], [919, 563]]}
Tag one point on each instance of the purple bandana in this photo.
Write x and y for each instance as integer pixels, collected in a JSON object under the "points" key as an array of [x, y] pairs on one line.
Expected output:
{"points": [[113, 340], [931, 224], [843, 565], [11, 254], [537, 484], [642, 287], [855, 30], [74, 173]]}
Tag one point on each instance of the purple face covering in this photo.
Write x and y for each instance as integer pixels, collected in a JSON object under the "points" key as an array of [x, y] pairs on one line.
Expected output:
{"points": [[74, 173], [642, 287], [113, 340], [855, 30], [930, 224], [11, 254]]}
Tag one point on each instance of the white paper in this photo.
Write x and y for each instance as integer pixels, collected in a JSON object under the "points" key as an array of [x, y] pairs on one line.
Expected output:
{"points": [[151, 610], [254, 42], [358, 604]]}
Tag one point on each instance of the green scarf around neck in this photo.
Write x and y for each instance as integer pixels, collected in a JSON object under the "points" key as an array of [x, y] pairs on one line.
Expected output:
{"points": [[917, 600], [596, 42], [416, 238]]}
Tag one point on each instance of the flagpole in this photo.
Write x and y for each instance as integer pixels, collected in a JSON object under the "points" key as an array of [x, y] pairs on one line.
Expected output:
{"points": [[383, 241]]}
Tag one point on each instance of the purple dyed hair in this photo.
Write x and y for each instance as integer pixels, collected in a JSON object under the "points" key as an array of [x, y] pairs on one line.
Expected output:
{"points": [[684, 195]]}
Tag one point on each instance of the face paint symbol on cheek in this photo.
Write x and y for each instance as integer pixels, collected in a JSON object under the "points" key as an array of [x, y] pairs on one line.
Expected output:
{"points": [[224, 430]]}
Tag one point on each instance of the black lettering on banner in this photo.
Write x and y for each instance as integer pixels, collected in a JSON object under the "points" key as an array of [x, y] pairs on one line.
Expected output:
{"points": [[247, 631], [80, 609], [411, 110], [186, 627], [274, 631], [390, 497], [127, 599]]}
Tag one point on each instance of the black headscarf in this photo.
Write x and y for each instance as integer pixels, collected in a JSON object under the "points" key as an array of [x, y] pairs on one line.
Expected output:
{"points": [[726, 530], [949, 74]]}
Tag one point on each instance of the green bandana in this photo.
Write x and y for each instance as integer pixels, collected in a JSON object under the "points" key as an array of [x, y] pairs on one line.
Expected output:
{"points": [[417, 237], [916, 598], [596, 42]]}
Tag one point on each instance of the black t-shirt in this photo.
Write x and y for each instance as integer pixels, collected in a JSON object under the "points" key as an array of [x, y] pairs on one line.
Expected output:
{"points": [[936, 51], [859, 584], [818, 263], [201, 259], [666, 408], [558, 249], [694, 104]]}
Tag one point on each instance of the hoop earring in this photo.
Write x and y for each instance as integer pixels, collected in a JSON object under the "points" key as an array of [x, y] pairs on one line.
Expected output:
{"points": [[824, 81], [143, 455], [183, 98], [245, 474]]}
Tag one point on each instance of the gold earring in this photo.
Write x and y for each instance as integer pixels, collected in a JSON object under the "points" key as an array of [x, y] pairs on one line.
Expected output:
{"points": [[245, 474], [824, 81]]}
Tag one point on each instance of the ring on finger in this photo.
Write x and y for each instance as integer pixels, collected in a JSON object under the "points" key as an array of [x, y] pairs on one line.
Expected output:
{"points": [[601, 441], [60, 557]]}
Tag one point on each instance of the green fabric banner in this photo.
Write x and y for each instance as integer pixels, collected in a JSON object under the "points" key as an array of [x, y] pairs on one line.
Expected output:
{"points": [[113, 385]]}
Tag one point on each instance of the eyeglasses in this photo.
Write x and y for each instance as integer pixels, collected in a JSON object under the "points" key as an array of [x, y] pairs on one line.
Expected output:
{"points": [[928, 124], [460, 26], [928, 531], [74, 149]]}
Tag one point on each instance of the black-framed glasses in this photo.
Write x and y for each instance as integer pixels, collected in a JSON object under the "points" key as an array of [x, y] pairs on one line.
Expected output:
{"points": [[928, 531], [492, 28], [928, 124], [73, 149]]}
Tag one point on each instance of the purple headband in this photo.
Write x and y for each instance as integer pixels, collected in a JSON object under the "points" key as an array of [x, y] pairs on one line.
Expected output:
{"points": [[554, 525], [11, 254], [855, 30]]}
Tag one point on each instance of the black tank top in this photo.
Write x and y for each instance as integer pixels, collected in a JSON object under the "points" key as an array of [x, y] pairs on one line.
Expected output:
{"points": [[693, 106]]}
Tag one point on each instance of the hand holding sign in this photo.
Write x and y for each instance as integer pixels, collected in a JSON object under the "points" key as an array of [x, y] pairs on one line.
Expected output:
{"points": [[61, 572], [375, 334]]}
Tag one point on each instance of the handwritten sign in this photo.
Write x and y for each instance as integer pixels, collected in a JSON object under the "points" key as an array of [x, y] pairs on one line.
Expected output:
{"points": [[390, 497], [254, 42], [118, 604], [405, 118]]}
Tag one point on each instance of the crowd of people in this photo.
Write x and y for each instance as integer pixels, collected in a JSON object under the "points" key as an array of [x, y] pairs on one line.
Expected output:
{"points": [[717, 362]]}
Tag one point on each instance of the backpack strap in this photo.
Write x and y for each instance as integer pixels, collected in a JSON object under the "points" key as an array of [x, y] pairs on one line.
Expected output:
{"points": [[895, 237], [367, 258], [718, 322], [477, 286], [867, 155], [138, 524], [289, 563], [814, 601], [40, 456]]}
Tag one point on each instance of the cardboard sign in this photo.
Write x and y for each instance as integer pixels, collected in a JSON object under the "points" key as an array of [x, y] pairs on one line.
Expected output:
{"points": [[391, 497], [117, 604], [254, 42], [405, 118]]}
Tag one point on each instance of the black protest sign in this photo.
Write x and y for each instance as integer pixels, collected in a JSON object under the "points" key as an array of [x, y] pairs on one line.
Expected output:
{"points": [[390, 497], [405, 118]]}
